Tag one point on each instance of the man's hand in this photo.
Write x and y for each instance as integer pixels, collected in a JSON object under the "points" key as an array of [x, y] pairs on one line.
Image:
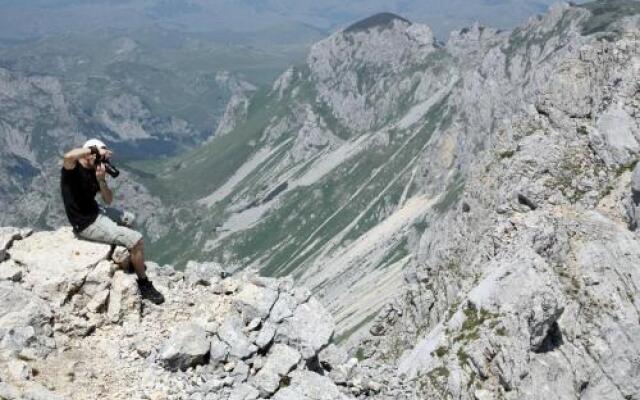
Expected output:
{"points": [[101, 173], [105, 192], [104, 153]]}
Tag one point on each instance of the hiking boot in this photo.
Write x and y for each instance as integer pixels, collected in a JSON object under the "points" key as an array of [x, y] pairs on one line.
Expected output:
{"points": [[149, 292]]}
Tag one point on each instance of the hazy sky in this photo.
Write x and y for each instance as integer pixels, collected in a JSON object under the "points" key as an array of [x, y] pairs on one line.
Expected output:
{"points": [[35, 18]]}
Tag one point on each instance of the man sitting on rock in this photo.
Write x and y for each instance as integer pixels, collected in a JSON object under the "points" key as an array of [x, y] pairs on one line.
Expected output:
{"points": [[82, 178]]}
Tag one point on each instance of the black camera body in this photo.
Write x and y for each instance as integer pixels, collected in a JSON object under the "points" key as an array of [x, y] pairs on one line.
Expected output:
{"points": [[108, 167]]}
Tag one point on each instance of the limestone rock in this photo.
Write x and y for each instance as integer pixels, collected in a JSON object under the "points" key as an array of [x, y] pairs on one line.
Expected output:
{"points": [[187, 347], [57, 262], [124, 298], [255, 301], [98, 278], [7, 236], [10, 271], [231, 333], [36, 391], [244, 392], [8, 392], [310, 328], [280, 360], [265, 335], [218, 351], [545, 312], [616, 137], [99, 302], [25, 320], [309, 386], [283, 307], [121, 257], [332, 356], [206, 274]]}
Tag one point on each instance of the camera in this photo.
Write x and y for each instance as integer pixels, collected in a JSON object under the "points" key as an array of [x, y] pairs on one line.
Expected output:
{"points": [[108, 167]]}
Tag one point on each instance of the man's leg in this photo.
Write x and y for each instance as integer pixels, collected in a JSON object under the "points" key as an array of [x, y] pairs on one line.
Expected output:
{"points": [[137, 259], [106, 230]]}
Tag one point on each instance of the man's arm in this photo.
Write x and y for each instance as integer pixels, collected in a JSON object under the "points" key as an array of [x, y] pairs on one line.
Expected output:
{"points": [[72, 156], [105, 192]]}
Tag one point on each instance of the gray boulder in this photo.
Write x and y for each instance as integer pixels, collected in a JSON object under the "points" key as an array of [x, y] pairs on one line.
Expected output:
{"points": [[265, 335], [8, 392], [124, 301], [8, 235], [545, 311], [10, 271], [57, 263], [283, 308], [231, 332], [310, 329], [25, 320], [244, 391], [218, 351], [187, 347], [280, 361], [205, 274], [255, 301], [615, 137], [307, 385]]}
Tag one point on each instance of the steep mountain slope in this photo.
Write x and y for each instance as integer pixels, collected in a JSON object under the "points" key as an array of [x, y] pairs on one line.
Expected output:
{"points": [[528, 289], [342, 168], [324, 156]]}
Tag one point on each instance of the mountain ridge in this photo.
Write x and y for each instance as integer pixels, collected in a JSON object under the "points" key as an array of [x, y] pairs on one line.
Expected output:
{"points": [[466, 212]]}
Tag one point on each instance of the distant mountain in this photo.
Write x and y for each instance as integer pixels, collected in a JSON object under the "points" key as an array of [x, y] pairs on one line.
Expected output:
{"points": [[46, 18]]}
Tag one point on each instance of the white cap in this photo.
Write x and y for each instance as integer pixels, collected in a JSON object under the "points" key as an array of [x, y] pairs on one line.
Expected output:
{"points": [[94, 142]]}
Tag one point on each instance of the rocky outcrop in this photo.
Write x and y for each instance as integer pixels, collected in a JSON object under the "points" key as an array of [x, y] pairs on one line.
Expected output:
{"points": [[531, 290], [73, 326]]}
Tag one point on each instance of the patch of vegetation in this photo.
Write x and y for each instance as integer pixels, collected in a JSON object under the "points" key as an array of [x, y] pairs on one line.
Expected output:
{"points": [[356, 327], [197, 173], [463, 357], [421, 226], [440, 372], [397, 253], [569, 169], [474, 319], [582, 130], [452, 195], [442, 351], [506, 154], [360, 354], [626, 168]]}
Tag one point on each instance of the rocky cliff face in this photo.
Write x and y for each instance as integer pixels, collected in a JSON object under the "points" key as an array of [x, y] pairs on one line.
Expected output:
{"points": [[72, 326], [527, 286]]}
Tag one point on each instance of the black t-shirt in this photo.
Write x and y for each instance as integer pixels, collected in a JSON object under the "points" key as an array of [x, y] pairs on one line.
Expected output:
{"points": [[79, 187]]}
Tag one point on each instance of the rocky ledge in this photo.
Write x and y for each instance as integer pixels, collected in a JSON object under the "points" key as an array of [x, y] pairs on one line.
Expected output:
{"points": [[73, 326]]}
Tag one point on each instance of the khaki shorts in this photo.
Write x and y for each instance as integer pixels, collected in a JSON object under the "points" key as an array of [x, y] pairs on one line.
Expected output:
{"points": [[112, 227]]}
